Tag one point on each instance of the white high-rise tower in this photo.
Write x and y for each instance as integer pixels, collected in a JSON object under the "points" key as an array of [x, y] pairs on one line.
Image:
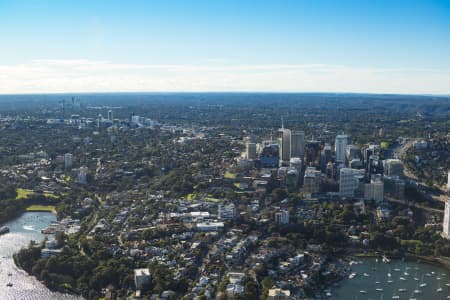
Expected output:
{"points": [[284, 139], [446, 225], [340, 146]]}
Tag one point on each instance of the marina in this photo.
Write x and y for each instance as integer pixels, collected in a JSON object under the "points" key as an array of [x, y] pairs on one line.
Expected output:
{"points": [[15, 283], [395, 279]]}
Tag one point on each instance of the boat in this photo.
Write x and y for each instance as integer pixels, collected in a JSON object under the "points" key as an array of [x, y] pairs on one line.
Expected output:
{"points": [[396, 297], [439, 289], [379, 289], [397, 270], [366, 275], [438, 278], [417, 291], [352, 275], [402, 278], [389, 281], [363, 292], [9, 284], [423, 284], [4, 230], [9, 274], [385, 259], [447, 284], [402, 290], [428, 274], [328, 294], [377, 282]]}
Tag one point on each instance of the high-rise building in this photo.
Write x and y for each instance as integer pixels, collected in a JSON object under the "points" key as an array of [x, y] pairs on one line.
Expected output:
{"points": [[312, 152], [68, 160], [281, 216], [110, 115], [351, 152], [340, 145], [325, 157], [284, 138], [374, 190], [446, 224], [251, 150], [82, 175], [393, 167], [292, 178], [296, 163], [141, 278], [269, 156], [394, 186], [297, 144], [226, 212], [448, 182], [311, 181], [349, 180]]}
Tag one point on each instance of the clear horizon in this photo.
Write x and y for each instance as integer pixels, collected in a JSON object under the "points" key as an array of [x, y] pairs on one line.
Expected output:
{"points": [[382, 47]]}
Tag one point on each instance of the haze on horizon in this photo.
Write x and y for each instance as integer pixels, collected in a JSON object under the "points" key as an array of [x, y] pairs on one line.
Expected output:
{"points": [[225, 45]]}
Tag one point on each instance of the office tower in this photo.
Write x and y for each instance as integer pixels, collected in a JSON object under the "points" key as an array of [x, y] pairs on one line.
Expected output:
{"points": [[393, 167], [311, 181], [374, 190], [446, 224], [270, 156], [351, 152], [296, 163], [349, 180], [394, 186], [251, 150], [281, 216], [226, 212], [340, 145], [292, 178], [68, 160], [110, 115], [448, 182], [325, 157], [312, 152], [284, 139], [297, 144], [82, 175]]}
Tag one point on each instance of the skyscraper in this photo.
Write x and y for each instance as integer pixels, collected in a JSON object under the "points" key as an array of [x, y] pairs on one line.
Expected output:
{"points": [[82, 175], [284, 138], [349, 180], [251, 150], [448, 181], [340, 146], [110, 115], [68, 160], [446, 225], [297, 144]]}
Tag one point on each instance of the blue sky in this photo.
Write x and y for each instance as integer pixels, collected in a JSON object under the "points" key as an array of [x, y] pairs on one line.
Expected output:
{"points": [[180, 45]]}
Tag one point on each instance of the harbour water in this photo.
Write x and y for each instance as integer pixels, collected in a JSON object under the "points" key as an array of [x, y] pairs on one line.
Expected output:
{"points": [[15, 283], [394, 280]]}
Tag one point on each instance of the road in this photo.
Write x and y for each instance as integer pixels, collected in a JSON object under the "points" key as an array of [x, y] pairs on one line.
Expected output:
{"points": [[416, 205]]}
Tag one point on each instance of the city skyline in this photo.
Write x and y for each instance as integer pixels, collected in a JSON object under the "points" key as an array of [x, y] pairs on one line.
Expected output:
{"points": [[234, 46]]}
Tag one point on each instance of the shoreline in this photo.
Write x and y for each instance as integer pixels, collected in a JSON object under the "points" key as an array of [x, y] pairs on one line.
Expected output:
{"points": [[436, 261]]}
